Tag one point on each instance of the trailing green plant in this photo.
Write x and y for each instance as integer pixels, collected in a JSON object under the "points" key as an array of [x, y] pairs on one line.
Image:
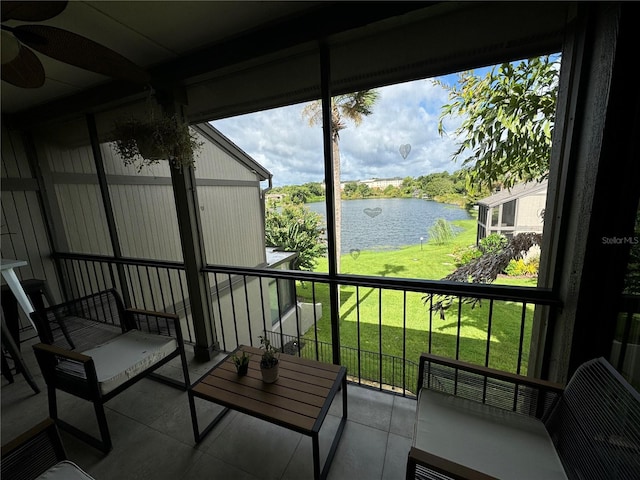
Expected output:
{"points": [[240, 360], [441, 232], [148, 141], [269, 355]]}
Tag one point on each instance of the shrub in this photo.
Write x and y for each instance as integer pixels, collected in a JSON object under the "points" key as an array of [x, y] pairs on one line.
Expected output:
{"points": [[493, 243], [295, 228], [527, 265], [441, 232], [463, 255]]}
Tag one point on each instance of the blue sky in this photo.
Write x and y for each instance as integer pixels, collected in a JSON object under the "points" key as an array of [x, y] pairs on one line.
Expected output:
{"points": [[405, 114]]}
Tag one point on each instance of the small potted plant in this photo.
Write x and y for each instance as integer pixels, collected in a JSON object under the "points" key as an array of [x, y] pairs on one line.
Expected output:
{"points": [[153, 139], [241, 362], [269, 361]]}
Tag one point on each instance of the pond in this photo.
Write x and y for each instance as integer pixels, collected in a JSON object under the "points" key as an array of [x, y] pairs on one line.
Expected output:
{"points": [[389, 223]]}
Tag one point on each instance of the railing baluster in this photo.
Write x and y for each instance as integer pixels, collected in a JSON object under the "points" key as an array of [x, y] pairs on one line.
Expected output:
{"points": [[142, 293], [224, 338], [358, 331], [380, 334], [264, 316], [130, 286], [246, 300], [297, 312], [404, 342], [430, 323], [233, 308], [315, 318], [161, 292], [459, 328], [523, 320], [150, 290]]}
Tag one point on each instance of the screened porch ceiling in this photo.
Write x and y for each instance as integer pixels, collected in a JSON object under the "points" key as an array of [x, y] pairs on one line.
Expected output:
{"points": [[235, 57]]}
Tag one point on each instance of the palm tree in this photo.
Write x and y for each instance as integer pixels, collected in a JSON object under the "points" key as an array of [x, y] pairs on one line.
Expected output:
{"points": [[350, 106]]}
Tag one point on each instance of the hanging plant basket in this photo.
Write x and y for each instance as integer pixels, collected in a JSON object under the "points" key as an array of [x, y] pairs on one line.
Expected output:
{"points": [[158, 138]]}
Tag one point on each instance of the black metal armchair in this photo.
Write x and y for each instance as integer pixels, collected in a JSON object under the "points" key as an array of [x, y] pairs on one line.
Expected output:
{"points": [[39, 451], [478, 423], [94, 348]]}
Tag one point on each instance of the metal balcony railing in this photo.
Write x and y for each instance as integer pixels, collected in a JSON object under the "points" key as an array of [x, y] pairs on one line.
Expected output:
{"points": [[379, 339]]}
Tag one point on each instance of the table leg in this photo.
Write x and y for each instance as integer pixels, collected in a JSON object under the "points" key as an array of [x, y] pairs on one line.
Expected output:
{"points": [[197, 435], [334, 445], [316, 457]]}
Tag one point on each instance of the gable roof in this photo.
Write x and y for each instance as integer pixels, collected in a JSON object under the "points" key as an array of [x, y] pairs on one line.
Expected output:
{"points": [[517, 191], [213, 134]]}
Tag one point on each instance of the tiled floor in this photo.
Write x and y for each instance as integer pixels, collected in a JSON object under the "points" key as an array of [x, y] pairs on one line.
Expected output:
{"points": [[151, 430]]}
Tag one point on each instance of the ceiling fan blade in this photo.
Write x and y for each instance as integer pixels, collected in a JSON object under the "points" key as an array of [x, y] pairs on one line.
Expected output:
{"points": [[31, 11], [24, 71], [77, 50]]}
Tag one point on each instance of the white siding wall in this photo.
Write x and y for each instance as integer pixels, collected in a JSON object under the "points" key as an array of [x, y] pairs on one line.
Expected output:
{"points": [[214, 162], [84, 220], [24, 235], [232, 225], [146, 221], [528, 213], [144, 212]]}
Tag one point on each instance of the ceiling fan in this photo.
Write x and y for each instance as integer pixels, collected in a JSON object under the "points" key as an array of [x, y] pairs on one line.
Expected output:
{"points": [[21, 66]]}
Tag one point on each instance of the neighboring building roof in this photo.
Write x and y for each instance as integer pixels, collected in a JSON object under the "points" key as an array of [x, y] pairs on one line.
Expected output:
{"points": [[276, 257], [517, 191], [243, 157]]}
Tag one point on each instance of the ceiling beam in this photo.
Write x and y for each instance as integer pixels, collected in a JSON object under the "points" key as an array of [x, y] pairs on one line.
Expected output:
{"points": [[319, 22]]}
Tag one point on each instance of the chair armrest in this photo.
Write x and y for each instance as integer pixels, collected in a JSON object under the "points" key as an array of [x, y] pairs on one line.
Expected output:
{"points": [[489, 373], [70, 371], [53, 350], [33, 452], [160, 323], [445, 469], [508, 391]]}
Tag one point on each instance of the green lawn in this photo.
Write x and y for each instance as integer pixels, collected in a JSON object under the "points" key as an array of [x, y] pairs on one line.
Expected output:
{"points": [[410, 323]]}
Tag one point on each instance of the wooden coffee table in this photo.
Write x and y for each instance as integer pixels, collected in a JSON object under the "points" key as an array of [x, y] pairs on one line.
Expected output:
{"points": [[299, 400]]}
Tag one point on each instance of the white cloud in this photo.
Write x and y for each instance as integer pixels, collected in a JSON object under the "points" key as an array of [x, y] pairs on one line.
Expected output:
{"points": [[283, 142]]}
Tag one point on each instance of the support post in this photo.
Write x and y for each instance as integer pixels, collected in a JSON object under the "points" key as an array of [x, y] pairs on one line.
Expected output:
{"points": [[193, 251], [330, 195], [108, 206]]}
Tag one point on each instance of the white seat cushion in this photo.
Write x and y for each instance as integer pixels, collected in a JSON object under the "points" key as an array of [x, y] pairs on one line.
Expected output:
{"points": [[124, 357], [499, 443], [65, 470]]}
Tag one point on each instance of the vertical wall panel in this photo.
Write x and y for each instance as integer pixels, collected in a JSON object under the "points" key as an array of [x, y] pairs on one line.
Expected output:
{"points": [[24, 235], [232, 225], [147, 222], [84, 219]]}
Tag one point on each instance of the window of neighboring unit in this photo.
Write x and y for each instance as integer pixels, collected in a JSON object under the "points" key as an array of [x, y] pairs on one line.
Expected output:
{"points": [[495, 212], [281, 298], [481, 232], [509, 214], [282, 292], [482, 214]]}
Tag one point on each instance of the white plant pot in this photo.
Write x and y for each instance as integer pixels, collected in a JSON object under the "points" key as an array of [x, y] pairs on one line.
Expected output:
{"points": [[270, 375]]}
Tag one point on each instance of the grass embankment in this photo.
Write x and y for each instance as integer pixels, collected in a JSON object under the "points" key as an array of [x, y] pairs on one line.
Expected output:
{"points": [[406, 323]]}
